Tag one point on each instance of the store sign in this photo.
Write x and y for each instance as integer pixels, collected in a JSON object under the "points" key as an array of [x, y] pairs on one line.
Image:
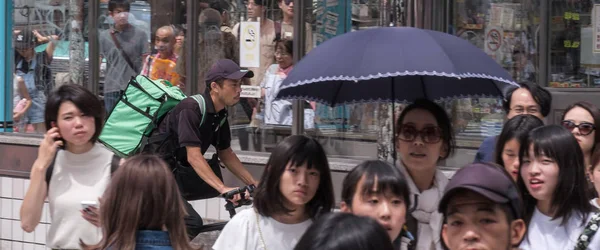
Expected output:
{"points": [[250, 44], [250, 91], [596, 25]]}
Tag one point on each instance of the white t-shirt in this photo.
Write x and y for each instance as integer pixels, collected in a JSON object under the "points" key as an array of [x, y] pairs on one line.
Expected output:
{"points": [[76, 178], [242, 233], [547, 234]]}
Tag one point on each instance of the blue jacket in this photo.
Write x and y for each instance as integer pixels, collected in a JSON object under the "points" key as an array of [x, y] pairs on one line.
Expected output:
{"points": [[152, 240], [485, 153]]}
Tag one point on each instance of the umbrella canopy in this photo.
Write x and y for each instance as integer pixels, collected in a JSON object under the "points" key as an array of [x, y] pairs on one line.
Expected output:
{"points": [[394, 63]]}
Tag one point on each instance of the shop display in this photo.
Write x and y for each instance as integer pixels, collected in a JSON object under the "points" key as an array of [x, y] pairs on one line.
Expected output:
{"points": [[573, 61]]}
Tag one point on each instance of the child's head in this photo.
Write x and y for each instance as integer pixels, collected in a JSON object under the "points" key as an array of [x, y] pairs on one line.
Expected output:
{"points": [[509, 141], [142, 195], [378, 190], [552, 174], [482, 209], [343, 231], [77, 113], [297, 176], [424, 135]]}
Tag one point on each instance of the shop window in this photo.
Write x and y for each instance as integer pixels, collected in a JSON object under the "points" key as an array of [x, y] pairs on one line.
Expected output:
{"points": [[574, 45]]}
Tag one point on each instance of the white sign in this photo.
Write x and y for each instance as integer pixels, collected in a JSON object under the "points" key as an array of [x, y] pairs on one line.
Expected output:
{"points": [[250, 91], [596, 25], [250, 44]]}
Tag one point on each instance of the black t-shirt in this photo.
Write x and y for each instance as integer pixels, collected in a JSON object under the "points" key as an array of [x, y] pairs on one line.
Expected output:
{"points": [[183, 125]]}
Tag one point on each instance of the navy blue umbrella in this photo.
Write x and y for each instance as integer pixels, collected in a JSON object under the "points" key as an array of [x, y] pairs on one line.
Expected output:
{"points": [[399, 63]]}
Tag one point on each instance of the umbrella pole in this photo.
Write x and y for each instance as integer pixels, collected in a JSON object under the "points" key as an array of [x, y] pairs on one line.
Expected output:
{"points": [[393, 124]]}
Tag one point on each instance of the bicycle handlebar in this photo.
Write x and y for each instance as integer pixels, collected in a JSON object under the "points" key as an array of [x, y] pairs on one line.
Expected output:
{"points": [[244, 201]]}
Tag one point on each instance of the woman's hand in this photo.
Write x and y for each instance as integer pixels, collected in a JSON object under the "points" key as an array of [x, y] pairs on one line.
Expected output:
{"points": [[48, 147], [91, 214], [17, 115]]}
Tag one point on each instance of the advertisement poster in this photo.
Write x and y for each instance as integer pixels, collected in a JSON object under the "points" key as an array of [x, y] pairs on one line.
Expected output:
{"points": [[333, 17]]}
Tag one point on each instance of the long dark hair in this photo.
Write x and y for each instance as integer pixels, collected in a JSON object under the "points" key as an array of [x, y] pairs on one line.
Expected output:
{"points": [[570, 198], [518, 128], [342, 231], [295, 150], [142, 195]]}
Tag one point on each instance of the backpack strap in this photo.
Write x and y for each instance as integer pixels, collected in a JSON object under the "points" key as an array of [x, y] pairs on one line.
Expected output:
{"points": [[200, 99], [278, 31]]}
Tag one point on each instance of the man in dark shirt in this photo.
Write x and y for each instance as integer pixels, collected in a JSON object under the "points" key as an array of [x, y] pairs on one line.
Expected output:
{"points": [[192, 137]]}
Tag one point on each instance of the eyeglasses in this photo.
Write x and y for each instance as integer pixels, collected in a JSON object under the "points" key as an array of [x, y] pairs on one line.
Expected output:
{"points": [[428, 135], [585, 128], [282, 54], [532, 110]]}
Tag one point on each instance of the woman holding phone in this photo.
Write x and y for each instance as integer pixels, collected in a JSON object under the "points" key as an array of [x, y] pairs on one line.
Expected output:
{"points": [[79, 167]]}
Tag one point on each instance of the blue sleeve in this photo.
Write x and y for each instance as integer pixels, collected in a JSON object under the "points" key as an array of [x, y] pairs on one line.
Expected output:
{"points": [[485, 153]]}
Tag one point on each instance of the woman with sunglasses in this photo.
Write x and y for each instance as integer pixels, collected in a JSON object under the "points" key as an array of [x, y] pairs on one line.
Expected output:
{"points": [[581, 118], [424, 137]]}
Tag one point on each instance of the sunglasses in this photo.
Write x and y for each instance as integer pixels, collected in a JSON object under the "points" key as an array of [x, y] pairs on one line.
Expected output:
{"points": [[287, 2], [585, 128], [428, 134]]}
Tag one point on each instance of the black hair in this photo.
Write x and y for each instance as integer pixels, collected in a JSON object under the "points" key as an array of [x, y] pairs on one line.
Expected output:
{"points": [[540, 95], [113, 4], [219, 82], [295, 150], [83, 99], [570, 197], [594, 112], [342, 231], [387, 178], [441, 117], [220, 5], [518, 128]]}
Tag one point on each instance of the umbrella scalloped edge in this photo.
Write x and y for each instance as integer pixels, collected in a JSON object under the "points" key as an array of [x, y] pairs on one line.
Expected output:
{"points": [[395, 74], [379, 100]]}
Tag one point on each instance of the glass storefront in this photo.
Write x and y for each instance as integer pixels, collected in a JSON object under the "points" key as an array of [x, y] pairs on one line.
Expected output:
{"points": [[508, 30]]}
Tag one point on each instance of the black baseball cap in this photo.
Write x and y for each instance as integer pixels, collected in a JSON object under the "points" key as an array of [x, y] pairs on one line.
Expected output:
{"points": [[25, 39], [487, 180], [227, 69]]}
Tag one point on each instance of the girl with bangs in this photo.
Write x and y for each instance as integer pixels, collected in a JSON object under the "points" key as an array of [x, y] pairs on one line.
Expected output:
{"points": [[142, 208], [378, 190], [556, 202], [294, 189]]}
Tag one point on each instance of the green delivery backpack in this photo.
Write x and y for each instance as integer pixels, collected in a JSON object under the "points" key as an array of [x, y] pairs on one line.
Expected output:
{"points": [[137, 113]]}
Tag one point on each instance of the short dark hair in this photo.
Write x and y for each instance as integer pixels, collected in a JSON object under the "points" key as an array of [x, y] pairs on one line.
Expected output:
{"points": [[518, 128], [440, 116], [387, 178], [219, 81], [570, 197], [219, 5], [262, 2], [113, 4], [342, 231], [295, 150], [83, 99], [540, 95], [594, 112], [286, 44]]}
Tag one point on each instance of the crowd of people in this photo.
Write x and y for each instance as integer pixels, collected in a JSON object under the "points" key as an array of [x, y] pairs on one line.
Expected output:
{"points": [[540, 192], [534, 186]]}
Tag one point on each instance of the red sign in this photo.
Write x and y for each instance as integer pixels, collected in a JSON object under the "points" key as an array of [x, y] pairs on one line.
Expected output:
{"points": [[493, 40]]}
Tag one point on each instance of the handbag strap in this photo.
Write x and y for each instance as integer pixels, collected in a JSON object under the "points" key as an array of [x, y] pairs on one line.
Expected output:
{"points": [[125, 56], [588, 233], [260, 234]]}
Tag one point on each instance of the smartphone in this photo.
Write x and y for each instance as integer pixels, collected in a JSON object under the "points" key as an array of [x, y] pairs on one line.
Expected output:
{"points": [[86, 204]]}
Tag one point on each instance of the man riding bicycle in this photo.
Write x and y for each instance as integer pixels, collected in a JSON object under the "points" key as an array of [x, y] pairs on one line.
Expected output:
{"points": [[191, 132]]}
